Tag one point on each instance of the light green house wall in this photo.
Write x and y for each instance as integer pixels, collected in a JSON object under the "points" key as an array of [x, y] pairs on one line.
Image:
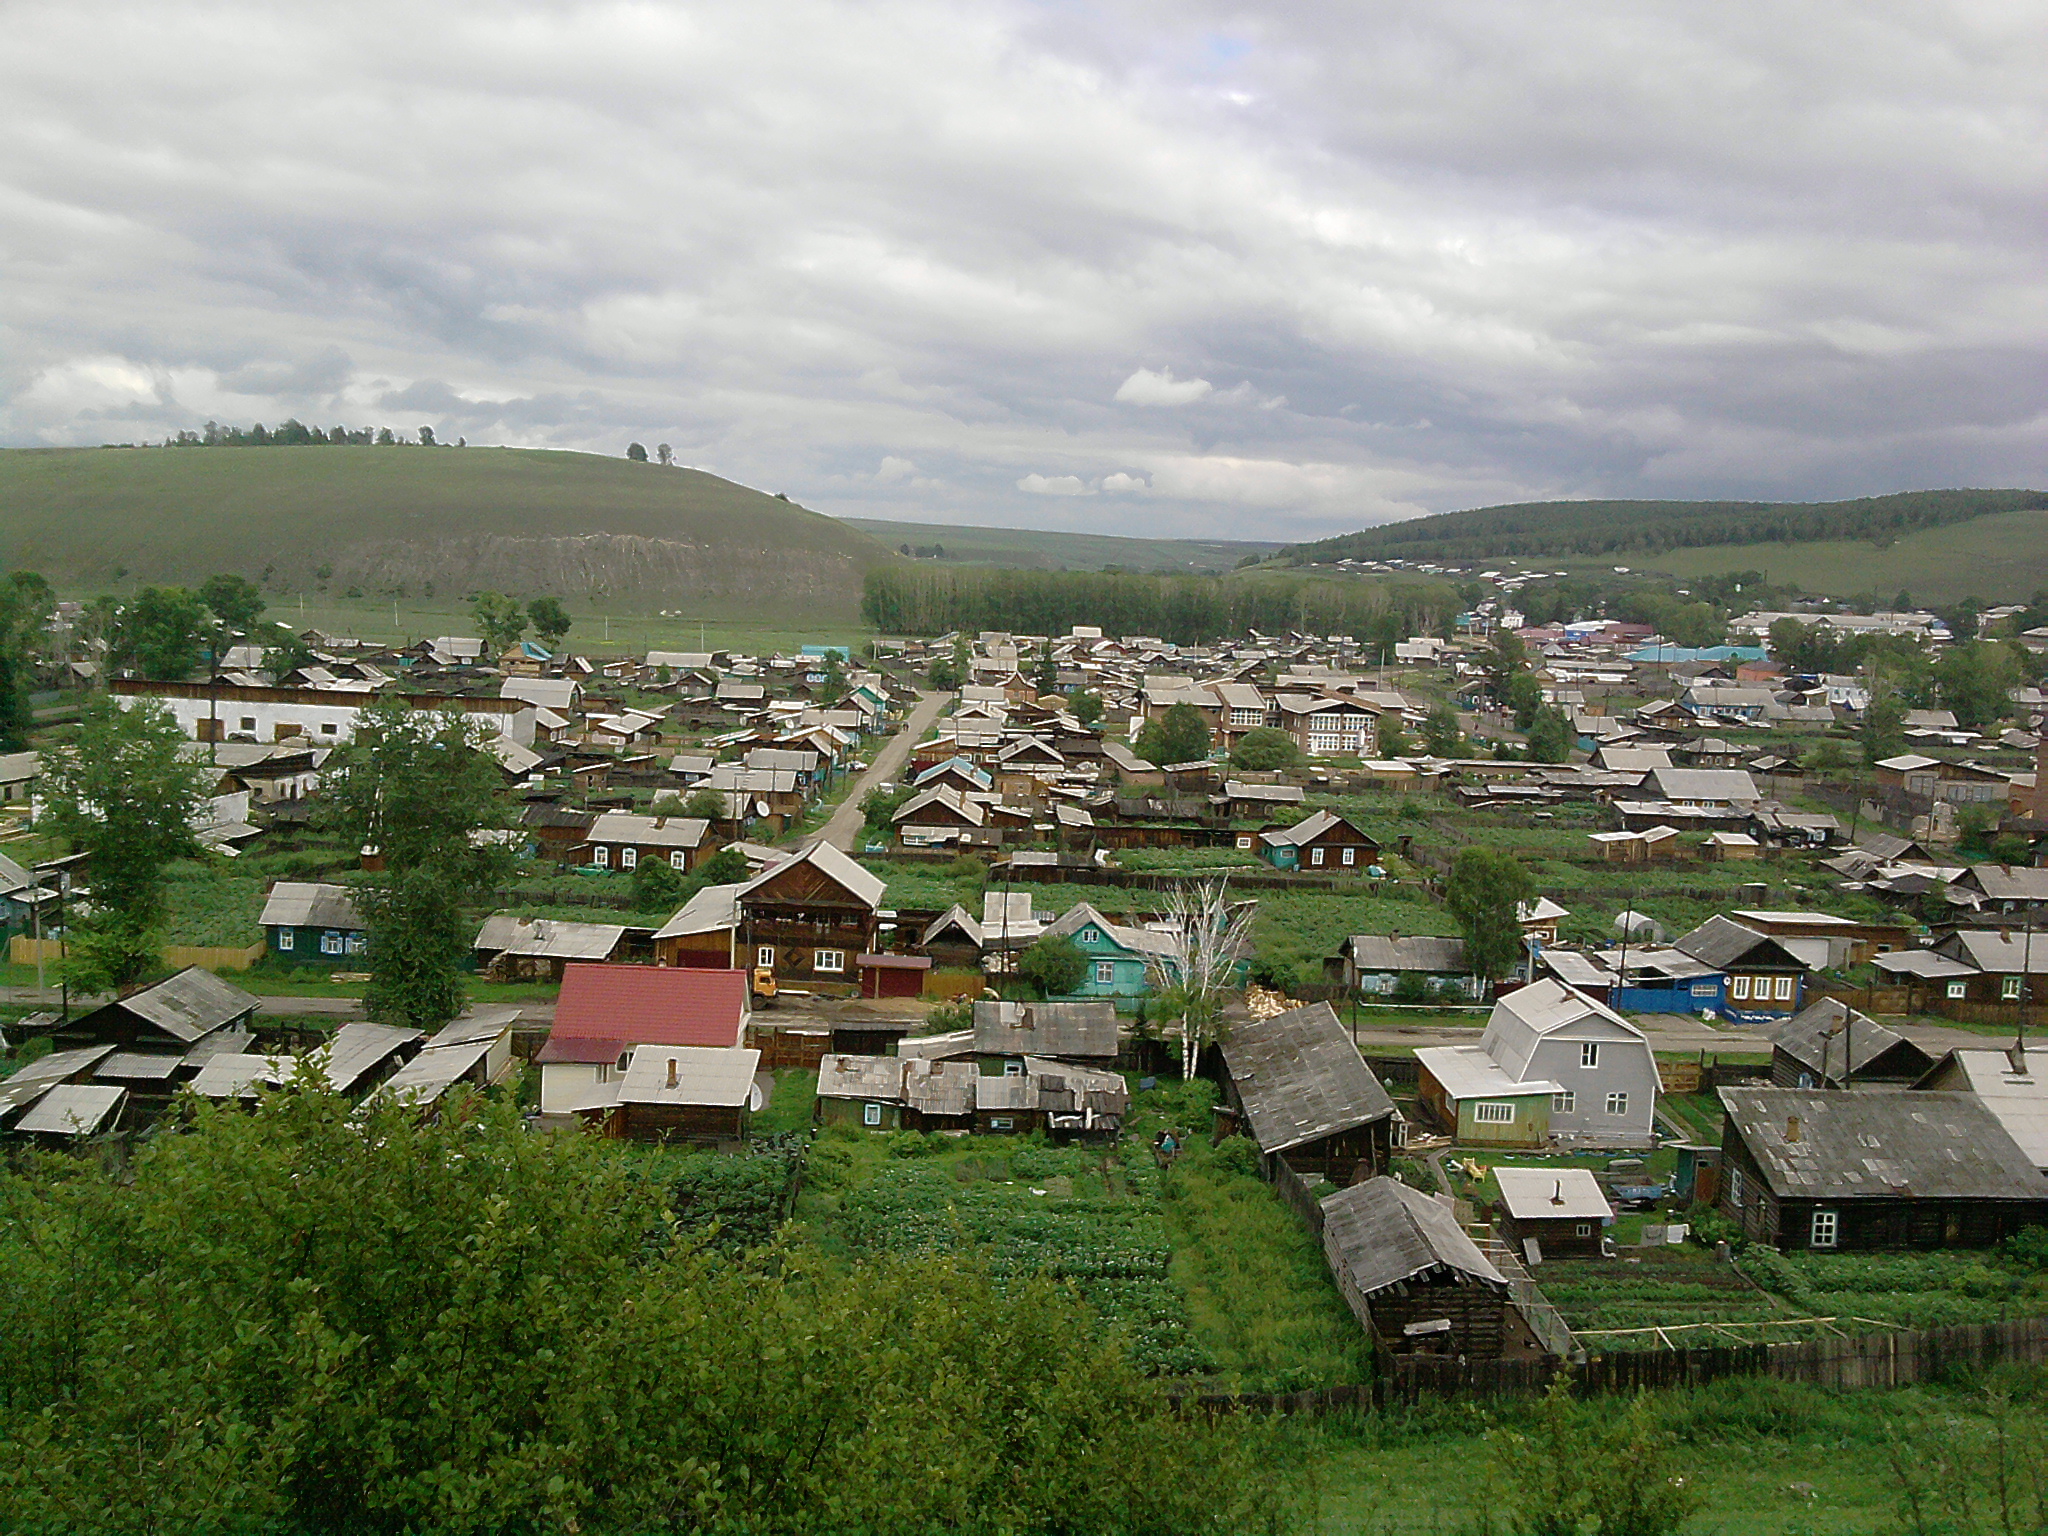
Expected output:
{"points": [[1529, 1128]]}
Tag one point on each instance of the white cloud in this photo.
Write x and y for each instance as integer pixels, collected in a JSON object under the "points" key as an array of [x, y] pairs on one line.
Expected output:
{"points": [[895, 471], [1148, 388], [1055, 485], [1119, 483]]}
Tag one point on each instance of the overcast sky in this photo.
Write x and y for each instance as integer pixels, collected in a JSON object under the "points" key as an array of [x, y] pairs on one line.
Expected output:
{"points": [[1255, 272]]}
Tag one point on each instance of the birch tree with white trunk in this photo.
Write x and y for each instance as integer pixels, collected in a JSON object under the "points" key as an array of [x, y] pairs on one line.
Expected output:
{"points": [[1206, 940]]}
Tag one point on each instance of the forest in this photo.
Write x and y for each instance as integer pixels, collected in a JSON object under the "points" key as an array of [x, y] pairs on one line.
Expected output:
{"points": [[1557, 528], [1187, 610]]}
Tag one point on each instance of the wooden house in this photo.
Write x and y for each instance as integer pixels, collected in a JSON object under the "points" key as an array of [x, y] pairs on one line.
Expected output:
{"points": [[866, 1090], [1833, 1170], [606, 1011], [1321, 840], [1605, 1072], [2007, 967], [311, 923], [473, 1051], [1379, 964], [1306, 1096], [1463, 1091], [1828, 1042], [558, 832], [1766, 979], [174, 1016], [1552, 1213], [513, 948], [621, 839], [809, 917], [700, 1095], [1081, 1033], [1415, 1281], [2011, 1083]]}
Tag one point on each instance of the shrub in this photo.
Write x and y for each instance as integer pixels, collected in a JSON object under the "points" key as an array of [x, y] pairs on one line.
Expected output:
{"points": [[1054, 965]]}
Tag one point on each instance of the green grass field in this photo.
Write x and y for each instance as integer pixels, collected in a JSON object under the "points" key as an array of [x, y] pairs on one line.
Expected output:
{"points": [[1057, 549], [420, 523]]}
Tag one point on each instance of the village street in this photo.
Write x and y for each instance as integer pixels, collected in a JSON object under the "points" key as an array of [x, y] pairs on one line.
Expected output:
{"points": [[843, 831]]}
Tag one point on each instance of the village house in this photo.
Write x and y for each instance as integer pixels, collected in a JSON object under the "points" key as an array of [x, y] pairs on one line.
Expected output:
{"points": [[2006, 967], [692, 1094], [605, 1012], [513, 948], [1118, 954], [1765, 980], [1831, 1171], [1553, 1213], [1306, 1096], [2011, 1083], [192, 1011], [1386, 965], [1322, 840], [896, 1093], [1080, 1033], [621, 839], [1603, 1065], [309, 923], [1829, 1042]]}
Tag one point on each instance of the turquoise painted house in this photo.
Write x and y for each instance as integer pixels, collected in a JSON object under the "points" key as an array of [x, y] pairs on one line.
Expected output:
{"points": [[1116, 953]]}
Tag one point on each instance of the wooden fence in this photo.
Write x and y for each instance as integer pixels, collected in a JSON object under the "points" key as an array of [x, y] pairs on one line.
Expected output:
{"points": [[1860, 1361], [22, 950]]}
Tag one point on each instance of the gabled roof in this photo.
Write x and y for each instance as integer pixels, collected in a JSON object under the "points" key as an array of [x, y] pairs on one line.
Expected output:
{"points": [[1139, 941], [1423, 952], [1830, 1145], [1309, 828], [1467, 1072], [1814, 1036], [1552, 1194], [1301, 1078], [650, 831], [2018, 1099], [955, 918], [862, 884], [188, 1005], [1722, 942], [310, 904], [711, 910], [1086, 1029], [690, 1074], [2001, 951], [1380, 1234], [548, 938], [1524, 1018], [73, 1109], [649, 1005]]}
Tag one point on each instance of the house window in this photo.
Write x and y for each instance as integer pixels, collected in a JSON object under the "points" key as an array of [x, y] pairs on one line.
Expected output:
{"points": [[678, 859], [1617, 1103], [1315, 855], [604, 1071], [1703, 989], [1001, 1123], [829, 960], [1493, 1114], [629, 858], [1583, 1229], [330, 943], [1786, 984], [1013, 1069], [1958, 989], [1350, 855], [248, 722], [871, 1114], [1735, 1188], [764, 957], [1825, 1226], [2009, 989], [1589, 1053], [1564, 1103], [601, 857], [1739, 989], [329, 730], [1244, 840], [1090, 936], [285, 938], [1105, 973], [355, 944]]}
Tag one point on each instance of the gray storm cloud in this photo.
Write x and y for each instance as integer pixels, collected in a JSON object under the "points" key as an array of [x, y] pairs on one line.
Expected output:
{"points": [[1199, 268]]}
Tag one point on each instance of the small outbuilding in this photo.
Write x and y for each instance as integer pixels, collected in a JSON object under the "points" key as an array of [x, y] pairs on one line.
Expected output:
{"points": [[1306, 1095], [1552, 1213], [1830, 1042]]}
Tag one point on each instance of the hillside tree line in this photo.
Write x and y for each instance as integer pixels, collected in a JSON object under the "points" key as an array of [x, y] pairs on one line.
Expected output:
{"points": [[293, 433]]}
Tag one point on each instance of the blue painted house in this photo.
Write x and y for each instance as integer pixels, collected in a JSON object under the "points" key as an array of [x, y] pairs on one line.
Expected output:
{"points": [[1117, 954], [305, 923]]}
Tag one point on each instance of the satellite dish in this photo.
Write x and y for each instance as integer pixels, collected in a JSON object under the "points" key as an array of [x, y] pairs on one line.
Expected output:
{"points": [[760, 807]]}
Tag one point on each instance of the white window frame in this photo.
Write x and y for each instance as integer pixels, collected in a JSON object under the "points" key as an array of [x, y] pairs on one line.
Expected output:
{"points": [[1315, 856], [678, 859], [764, 957], [1826, 1231], [332, 943], [1002, 1123], [1583, 1229], [1738, 988], [1735, 1189], [1958, 990], [1617, 1103], [1013, 1069], [1090, 936], [2009, 989], [601, 856], [1350, 856], [629, 858], [1787, 985], [285, 939], [1589, 1053], [1565, 1103], [353, 944], [871, 1114], [832, 960], [1493, 1113], [1105, 973]]}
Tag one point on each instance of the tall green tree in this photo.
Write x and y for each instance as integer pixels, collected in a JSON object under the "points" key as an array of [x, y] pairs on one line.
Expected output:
{"points": [[550, 620], [1505, 658], [500, 620], [418, 788], [120, 790], [1178, 736], [1046, 680], [285, 651], [1550, 735], [1086, 706], [1883, 729], [161, 632], [1973, 681], [1054, 964], [1264, 749], [1486, 888], [236, 601], [26, 602], [1442, 735]]}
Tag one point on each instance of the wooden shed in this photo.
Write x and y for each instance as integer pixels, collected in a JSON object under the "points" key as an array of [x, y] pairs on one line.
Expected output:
{"points": [[684, 1093], [1830, 1042], [1552, 1213], [1306, 1095], [1415, 1281]]}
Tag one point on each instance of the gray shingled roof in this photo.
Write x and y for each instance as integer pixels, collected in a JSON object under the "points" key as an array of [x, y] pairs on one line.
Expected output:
{"points": [[1045, 1029], [1421, 952], [1806, 1040], [310, 904], [1721, 941], [1381, 1233], [190, 1004], [1821, 1145], [1301, 1078]]}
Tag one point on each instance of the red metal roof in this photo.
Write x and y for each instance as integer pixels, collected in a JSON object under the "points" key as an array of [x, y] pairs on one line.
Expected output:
{"points": [[651, 1005]]}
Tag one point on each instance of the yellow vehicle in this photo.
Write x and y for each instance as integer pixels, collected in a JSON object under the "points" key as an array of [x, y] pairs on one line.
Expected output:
{"points": [[764, 983]]}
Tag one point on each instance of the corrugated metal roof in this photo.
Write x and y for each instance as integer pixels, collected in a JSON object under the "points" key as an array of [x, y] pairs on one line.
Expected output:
{"points": [[947, 1047], [1813, 1038], [73, 1109], [430, 1074], [548, 938], [1467, 1072], [139, 1067], [1301, 1077], [359, 1049], [651, 1005], [1381, 1233], [1836, 1145], [27, 1083], [238, 1074]]}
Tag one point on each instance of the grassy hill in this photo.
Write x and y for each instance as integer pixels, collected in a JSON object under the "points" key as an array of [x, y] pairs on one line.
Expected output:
{"points": [[1033, 550], [411, 522], [1558, 529]]}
